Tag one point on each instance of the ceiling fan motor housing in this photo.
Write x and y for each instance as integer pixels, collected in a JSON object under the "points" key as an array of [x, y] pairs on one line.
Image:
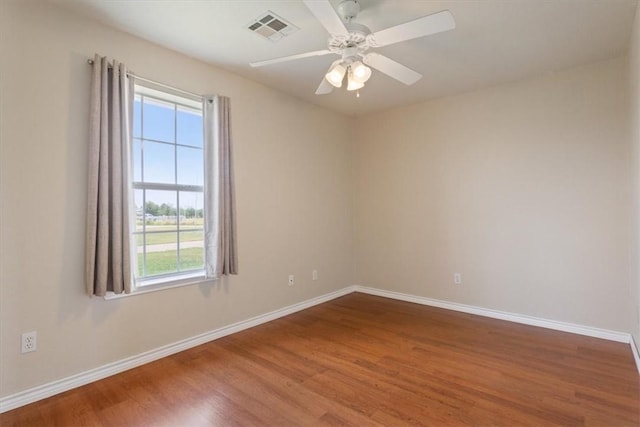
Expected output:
{"points": [[358, 37]]}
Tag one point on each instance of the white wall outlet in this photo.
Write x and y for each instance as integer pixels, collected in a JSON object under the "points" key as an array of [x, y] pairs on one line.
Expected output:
{"points": [[291, 281], [29, 342], [457, 278], [314, 275]]}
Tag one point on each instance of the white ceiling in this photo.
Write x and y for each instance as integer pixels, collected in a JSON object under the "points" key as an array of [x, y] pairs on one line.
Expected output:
{"points": [[495, 41]]}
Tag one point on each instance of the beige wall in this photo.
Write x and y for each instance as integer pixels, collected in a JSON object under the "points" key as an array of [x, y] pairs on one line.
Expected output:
{"points": [[523, 188], [634, 74], [293, 166]]}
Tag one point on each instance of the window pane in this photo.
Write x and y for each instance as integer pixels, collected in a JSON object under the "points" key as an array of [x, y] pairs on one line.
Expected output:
{"points": [[168, 233], [158, 120], [140, 263], [190, 130], [161, 259], [137, 116], [158, 241], [191, 250], [191, 212], [160, 210], [190, 166], [137, 160], [159, 164], [138, 201], [161, 252]]}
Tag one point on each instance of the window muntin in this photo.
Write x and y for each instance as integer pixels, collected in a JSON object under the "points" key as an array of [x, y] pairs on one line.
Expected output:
{"points": [[168, 180]]}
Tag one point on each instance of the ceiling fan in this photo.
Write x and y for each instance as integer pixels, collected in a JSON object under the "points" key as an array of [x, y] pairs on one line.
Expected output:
{"points": [[351, 41]]}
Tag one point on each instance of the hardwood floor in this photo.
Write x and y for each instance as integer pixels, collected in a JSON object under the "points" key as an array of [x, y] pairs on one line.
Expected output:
{"points": [[364, 360]]}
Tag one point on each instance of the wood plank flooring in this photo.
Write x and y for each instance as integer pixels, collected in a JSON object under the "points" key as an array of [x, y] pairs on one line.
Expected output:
{"points": [[366, 361]]}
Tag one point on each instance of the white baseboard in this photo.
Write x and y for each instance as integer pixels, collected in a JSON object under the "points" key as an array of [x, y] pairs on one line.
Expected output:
{"points": [[502, 315], [77, 380], [80, 379], [636, 353]]}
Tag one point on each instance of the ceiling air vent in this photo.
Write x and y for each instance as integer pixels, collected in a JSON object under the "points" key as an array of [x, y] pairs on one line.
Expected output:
{"points": [[271, 26]]}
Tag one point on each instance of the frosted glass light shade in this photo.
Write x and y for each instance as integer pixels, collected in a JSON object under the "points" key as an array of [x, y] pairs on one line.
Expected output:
{"points": [[336, 75], [353, 84], [361, 72]]}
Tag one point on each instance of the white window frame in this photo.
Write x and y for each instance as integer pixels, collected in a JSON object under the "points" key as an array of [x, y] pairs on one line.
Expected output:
{"points": [[179, 278]]}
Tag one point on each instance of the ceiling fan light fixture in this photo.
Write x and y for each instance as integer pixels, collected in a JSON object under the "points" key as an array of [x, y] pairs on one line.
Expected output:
{"points": [[336, 75], [353, 84], [360, 72]]}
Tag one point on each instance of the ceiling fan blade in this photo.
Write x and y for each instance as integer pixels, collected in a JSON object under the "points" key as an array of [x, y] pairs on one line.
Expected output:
{"points": [[324, 88], [326, 14], [391, 68], [430, 24], [290, 58]]}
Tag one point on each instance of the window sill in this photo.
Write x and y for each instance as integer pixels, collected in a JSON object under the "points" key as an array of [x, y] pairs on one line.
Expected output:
{"points": [[162, 284]]}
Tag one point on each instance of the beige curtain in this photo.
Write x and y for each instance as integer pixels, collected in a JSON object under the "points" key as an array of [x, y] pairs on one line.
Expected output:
{"points": [[221, 257], [108, 248]]}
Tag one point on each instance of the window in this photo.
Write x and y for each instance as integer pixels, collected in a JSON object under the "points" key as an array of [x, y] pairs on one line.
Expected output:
{"points": [[167, 177], [168, 187]]}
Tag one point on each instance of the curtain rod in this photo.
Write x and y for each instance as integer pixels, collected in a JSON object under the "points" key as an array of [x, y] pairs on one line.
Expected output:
{"points": [[90, 62]]}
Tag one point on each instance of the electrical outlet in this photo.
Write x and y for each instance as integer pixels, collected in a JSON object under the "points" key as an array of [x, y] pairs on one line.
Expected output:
{"points": [[291, 281], [457, 278], [314, 275], [29, 342]]}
